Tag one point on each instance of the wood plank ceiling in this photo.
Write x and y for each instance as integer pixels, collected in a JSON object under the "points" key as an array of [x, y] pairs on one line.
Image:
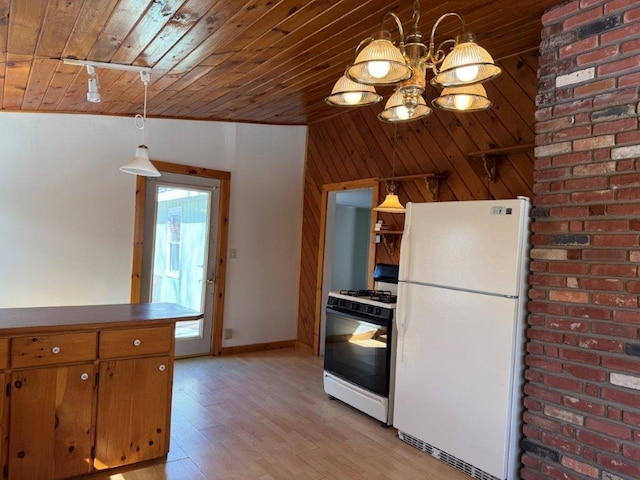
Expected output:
{"points": [[262, 61]]}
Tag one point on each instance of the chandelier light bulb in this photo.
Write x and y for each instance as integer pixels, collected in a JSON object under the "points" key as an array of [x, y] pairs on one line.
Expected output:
{"points": [[352, 98], [403, 112], [468, 73], [378, 69], [462, 101]]}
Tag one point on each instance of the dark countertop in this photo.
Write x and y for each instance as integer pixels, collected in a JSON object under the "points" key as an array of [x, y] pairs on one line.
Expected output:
{"points": [[14, 320]]}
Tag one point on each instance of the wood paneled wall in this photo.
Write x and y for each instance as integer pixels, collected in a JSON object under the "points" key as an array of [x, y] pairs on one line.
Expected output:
{"points": [[356, 145]]}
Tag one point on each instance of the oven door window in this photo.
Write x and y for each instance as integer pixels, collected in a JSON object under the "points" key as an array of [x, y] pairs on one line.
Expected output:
{"points": [[358, 351]]}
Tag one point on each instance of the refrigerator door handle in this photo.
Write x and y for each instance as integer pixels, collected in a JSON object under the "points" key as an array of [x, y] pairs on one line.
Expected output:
{"points": [[405, 250], [401, 319]]}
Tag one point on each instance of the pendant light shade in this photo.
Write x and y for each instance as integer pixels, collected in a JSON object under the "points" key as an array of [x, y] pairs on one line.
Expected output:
{"points": [[469, 98], [467, 63], [347, 93], [379, 63], [141, 165], [391, 204], [396, 110]]}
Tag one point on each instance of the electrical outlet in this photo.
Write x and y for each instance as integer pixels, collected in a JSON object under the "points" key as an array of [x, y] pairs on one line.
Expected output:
{"points": [[228, 333], [497, 210]]}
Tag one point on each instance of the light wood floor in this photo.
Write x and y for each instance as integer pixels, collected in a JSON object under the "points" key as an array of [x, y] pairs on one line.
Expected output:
{"points": [[265, 416]]}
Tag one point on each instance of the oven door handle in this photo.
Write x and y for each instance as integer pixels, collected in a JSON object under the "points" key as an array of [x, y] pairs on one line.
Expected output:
{"points": [[371, 321]]}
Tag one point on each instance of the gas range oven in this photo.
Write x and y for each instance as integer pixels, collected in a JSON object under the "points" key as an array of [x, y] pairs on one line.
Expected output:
{"points": [[359, 353]]}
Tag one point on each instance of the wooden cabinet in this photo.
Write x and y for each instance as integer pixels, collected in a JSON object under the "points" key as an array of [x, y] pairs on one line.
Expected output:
{"points": [[133, 402], [50, 427], [83, 395], [134, 397]]}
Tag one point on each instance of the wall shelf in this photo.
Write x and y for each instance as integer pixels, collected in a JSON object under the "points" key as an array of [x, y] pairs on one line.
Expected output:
{"points": [[490, 157], [432, 180]]}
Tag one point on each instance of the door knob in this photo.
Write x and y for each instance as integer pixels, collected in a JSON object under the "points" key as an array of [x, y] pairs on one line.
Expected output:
{"points": [[209, 281]]}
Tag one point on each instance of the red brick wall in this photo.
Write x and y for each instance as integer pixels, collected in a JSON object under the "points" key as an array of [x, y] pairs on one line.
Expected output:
{"points": [[582, 403]]}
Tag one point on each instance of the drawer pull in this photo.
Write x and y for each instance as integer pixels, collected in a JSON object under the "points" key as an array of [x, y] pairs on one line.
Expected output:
{"points": [[162, 368], [55, 350], [136, 342], [84, 376]]}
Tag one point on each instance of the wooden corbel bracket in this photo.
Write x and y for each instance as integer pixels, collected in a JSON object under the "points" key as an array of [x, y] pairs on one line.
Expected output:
{"points": [[389, 242], [489, 163], [490, 158]]}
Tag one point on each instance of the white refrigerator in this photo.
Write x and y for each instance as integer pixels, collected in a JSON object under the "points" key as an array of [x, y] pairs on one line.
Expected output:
{"points": [[461, 317]]}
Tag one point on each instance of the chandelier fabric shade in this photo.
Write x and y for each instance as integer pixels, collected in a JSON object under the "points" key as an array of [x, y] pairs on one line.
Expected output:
{"points": [[347, 93], [380, 62]]}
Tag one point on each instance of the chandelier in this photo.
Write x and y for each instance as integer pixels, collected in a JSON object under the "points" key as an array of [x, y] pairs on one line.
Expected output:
{"points": [[459, 73]]}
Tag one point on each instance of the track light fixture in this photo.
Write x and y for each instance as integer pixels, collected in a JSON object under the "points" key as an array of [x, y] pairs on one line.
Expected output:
{"points": [[93, 93], [140, 164], [380, 62]]}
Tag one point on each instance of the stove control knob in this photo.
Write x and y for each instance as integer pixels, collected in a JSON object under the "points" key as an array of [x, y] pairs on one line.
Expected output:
{"points": [[369, 309], [378, 310], [355, 306], [341, 303]]}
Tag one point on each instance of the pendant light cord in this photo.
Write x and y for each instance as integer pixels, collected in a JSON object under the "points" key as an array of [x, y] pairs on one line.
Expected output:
{"points": [[140, 120], [395, 145], [391, 187]]}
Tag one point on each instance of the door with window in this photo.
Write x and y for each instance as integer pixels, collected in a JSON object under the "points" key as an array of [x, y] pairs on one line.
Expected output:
{"points": [[179, 253]]}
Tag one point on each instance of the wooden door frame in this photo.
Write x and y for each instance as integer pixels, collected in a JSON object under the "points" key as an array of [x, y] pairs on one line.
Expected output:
{"points": [[372, 183], [221, 241]]}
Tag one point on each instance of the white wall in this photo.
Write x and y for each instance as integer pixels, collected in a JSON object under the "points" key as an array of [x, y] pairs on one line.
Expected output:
{"points": [[66, 211]]}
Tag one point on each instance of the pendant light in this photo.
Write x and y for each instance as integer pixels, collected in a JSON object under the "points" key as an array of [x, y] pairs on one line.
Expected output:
{"points": [[391, 203], [140, 164]]}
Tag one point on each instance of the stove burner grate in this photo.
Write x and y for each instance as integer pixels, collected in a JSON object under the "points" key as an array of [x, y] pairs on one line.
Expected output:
{"points": [[384, 296]]}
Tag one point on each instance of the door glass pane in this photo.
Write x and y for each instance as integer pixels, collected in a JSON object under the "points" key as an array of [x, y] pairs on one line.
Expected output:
{"points": [[180, 251]]}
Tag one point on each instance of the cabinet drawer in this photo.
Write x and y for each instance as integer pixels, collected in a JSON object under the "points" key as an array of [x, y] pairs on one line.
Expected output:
{"points": [[53, 349], [135, 341]]}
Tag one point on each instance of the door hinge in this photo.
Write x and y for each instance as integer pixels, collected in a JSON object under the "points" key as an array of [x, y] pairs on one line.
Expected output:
{"points": [[93, 453], [97, 378], [5, 471], [7, 390]]}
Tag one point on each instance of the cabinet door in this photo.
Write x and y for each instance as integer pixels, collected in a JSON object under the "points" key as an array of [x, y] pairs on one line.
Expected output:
{"points": [[134, 398], [50, 428]]}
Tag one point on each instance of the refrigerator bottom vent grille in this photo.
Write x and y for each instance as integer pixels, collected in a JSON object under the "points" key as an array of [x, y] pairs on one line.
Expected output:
{"points": [[445, 457]]}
